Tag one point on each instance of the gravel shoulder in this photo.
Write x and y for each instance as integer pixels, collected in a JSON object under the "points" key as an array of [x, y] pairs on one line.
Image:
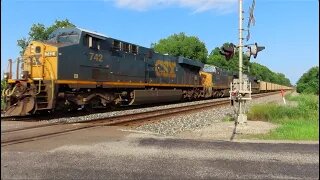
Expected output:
{"points": [[211, 124], [228, 131]]}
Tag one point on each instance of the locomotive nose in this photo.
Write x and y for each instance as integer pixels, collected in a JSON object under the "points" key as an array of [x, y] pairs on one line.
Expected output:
{"points": [[40, 60]]}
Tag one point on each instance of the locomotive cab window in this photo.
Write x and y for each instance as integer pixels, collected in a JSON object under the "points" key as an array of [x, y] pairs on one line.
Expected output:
{"points": [[134, 49], [93, 42], [125, 47], [116, 45], [38, 49], [70, 37]]}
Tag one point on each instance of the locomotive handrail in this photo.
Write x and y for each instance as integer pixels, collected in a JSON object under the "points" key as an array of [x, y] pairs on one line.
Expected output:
{"points": [[11, 93], [52, 83], [39, 90], [51, 77], [28, 61]]}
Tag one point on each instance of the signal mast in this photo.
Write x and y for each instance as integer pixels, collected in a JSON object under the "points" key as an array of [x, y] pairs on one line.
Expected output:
{"points": [[240, 89]]}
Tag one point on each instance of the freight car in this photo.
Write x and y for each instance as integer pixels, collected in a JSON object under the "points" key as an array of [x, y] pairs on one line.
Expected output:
{"points": [[268, 87], [80, 68], [221, 79]]}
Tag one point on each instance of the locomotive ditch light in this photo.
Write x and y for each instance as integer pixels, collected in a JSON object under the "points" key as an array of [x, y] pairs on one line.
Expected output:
{"points": [[6, 76], [253, 50], [228, 51]]}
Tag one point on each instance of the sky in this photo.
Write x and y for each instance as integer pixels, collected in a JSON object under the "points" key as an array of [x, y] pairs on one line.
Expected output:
{"points": [[289, 29]]}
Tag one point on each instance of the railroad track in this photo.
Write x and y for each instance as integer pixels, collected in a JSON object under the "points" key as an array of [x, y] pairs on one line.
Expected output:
{"points": [[32, 133]]}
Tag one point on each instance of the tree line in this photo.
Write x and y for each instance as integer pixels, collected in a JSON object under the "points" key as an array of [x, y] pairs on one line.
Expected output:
{"points": [[309, 82], [192, 47]]}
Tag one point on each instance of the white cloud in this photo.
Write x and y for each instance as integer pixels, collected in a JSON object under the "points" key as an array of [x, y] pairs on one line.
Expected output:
{"points": [[195, 5]]}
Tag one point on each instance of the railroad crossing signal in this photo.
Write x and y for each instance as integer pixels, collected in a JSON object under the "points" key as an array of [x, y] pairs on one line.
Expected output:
{"points": [[228, 51], [253, 50]]}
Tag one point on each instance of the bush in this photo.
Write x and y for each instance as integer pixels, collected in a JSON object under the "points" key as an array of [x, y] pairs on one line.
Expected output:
{"points": [[309, 82], [299, 122]]}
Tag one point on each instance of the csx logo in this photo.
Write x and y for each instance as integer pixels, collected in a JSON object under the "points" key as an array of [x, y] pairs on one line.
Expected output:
{"points": [[165, 69]]}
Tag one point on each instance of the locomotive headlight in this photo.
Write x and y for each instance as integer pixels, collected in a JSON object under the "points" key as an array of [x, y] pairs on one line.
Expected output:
{"points": [[50, 53], [25, 75], [6, 76]]}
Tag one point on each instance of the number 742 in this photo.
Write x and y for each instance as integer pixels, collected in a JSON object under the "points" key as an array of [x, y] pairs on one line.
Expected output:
{"points": [[96, 57]]}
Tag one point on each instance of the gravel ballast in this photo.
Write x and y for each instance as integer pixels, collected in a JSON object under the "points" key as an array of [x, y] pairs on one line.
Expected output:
{"points": [[210, 123], [124, 112]]}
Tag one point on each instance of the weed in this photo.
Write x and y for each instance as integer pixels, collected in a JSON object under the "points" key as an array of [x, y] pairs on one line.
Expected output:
{"points": [[297, 123]]}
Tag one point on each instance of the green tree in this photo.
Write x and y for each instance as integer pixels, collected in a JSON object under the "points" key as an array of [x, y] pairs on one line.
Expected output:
{"points": [[265, 74], [38, 32], [309, 81], [182, 45], [3, 84]]}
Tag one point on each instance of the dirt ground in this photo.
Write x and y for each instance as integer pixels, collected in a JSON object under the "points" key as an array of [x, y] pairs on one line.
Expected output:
{"points": [[228, 130]]}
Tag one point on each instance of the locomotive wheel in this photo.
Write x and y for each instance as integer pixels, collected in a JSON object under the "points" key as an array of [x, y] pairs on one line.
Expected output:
{"points": [[93, 105], [88, 108], [64, 106]]}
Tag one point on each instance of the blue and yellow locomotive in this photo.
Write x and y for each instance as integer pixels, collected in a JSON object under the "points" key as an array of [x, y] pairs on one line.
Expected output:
{"points": [[80, 68], [77, 67]]}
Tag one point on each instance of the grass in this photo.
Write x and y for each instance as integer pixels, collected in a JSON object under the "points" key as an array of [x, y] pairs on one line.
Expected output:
{"points": [[228, 118], [299, 122], [2, 104]]}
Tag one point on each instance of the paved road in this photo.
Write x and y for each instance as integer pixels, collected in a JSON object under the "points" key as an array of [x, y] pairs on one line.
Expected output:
{"points": [[105, 154]]}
